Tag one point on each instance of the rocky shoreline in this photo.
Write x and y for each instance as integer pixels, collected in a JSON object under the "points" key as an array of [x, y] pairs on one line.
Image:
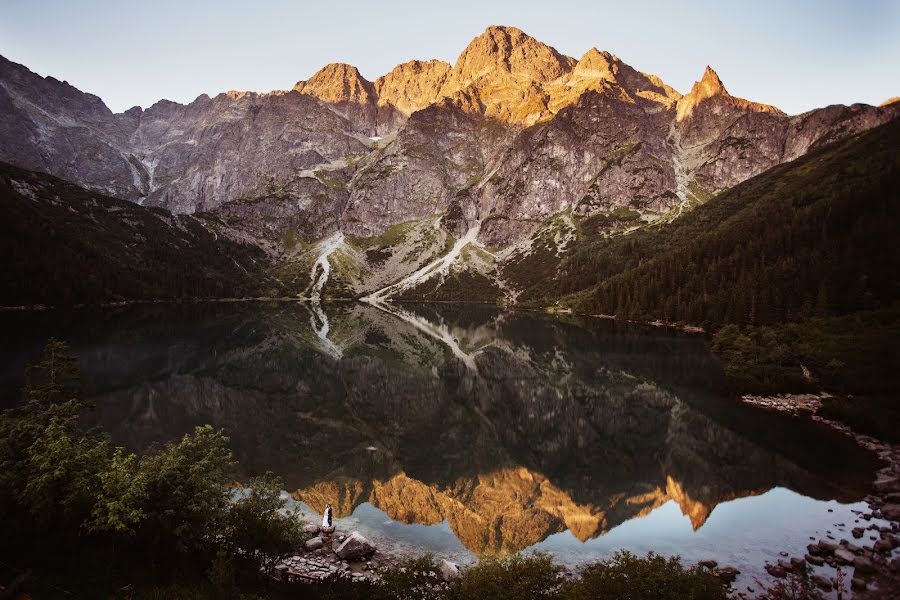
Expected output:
{"points": [[870, 565], [336, 553]]}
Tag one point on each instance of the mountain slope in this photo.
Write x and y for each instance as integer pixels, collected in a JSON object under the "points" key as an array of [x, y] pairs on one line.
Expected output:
{"points": [[63, 244], [814, 237]]}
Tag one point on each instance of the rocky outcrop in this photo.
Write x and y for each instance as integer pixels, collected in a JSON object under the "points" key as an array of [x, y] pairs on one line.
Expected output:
{"points": [[411, 86], [354, 547], [346, 92], [711, 93], [50, 126]]}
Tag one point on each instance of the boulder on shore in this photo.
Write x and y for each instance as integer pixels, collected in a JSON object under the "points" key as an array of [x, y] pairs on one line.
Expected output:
{"points": [[891, 512], [821, 582], [314, 544], [449, 570], [844, 556], [776, 571], [727, 574], [815, 560], [311, 528], [354, 547]]}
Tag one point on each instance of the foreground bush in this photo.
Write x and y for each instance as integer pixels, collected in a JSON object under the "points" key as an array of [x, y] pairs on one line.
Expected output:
{"points": [[525, 577], [626, 576], [517, 577], [104, 518]]}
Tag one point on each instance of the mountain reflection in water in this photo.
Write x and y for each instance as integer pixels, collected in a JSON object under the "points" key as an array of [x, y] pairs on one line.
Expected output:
{"points": [[510, 427]]}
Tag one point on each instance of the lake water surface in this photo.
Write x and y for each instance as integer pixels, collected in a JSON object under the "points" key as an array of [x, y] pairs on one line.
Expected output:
{"points": [[467, 431]]}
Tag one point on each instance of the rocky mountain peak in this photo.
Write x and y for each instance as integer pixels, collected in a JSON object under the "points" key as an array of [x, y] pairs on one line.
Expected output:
{"points": [[710, 86], [597, 64], [338, 82], [412, 85], [509, 51], [710, 83]]}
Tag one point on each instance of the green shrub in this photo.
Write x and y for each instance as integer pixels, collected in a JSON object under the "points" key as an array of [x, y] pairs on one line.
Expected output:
{"points": [[654, 577], [516, 577], [875, 416]]}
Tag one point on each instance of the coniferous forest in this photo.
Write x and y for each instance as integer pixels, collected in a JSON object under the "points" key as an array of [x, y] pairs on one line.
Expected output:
{"points": [[814, 237]]}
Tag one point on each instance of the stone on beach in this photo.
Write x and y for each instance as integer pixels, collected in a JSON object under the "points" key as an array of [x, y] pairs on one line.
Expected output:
{"points": [[314, 544], [449, 570], [311, 528], [354, 547], [891, 512], [843, 555], [727, 574], [821, 582], [776, 571], [863, 566]]}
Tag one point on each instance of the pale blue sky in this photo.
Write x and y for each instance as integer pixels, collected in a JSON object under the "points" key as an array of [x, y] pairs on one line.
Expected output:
{"points": [[796, 54]]}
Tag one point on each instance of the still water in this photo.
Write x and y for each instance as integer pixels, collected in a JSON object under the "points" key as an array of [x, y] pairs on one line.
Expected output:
{"points": [[465, 430]]}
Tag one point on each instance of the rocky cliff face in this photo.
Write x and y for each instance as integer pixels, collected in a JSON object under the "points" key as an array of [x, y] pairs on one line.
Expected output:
{"points": [[510, 137]]}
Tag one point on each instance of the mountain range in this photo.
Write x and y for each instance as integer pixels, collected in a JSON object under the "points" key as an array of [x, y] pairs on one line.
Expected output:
{"points": [[433, 173]]}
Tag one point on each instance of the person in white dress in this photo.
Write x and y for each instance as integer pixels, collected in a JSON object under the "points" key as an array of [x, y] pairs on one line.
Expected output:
{"points": [[327, 517]]}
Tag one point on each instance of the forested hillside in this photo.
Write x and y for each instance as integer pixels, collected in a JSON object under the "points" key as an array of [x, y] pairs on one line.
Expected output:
{"points": [[62, 244], [814, 237]]}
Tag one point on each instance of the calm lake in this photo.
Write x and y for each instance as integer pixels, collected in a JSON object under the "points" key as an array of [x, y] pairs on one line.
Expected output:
{"points": [[468, 431]]}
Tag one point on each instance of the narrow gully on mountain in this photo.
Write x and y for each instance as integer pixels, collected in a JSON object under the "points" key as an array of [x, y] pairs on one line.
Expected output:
{"points": [[328, 246]]}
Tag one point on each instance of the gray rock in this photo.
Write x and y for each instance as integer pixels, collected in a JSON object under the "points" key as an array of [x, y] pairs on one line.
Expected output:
{"points": [[356, 546], [863, 565], [891, 511], [727, 574], [449, 570], [821, 582], [776, 571], [844, 556], [889, 484], [815, 560], [314, 544]]}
